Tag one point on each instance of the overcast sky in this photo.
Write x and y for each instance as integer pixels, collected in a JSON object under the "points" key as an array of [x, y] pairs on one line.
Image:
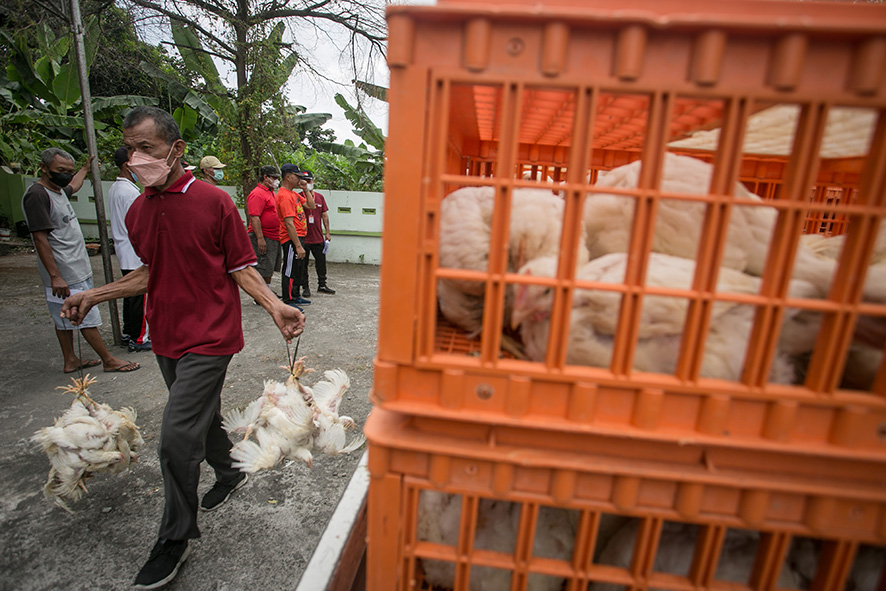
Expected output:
{"points": [[319, 96], [325, 51]]}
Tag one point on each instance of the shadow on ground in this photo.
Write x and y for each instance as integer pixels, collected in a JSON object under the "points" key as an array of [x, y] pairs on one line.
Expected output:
{"points": [[261, 539]]}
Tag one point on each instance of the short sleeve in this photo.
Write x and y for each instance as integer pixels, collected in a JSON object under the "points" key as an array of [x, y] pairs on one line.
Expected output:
{"points": [[287, 206], [254, 203], [35, 206]]}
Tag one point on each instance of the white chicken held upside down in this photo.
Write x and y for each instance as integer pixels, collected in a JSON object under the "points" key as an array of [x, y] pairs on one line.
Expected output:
{"points": [[291, 419], [88, 438]]}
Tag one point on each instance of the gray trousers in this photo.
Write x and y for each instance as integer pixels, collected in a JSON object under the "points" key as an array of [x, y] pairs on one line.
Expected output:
{"points": [[191, 432]]}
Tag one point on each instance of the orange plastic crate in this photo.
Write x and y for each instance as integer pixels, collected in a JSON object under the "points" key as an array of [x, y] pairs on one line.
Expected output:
{"points": [[520, 489], [485, 95]]}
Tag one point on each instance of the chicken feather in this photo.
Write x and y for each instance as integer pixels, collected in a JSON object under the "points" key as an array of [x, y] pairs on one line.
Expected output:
{"points": [[89, 437], [608, 220], [465, 230], [289, 419], [595, 313]]}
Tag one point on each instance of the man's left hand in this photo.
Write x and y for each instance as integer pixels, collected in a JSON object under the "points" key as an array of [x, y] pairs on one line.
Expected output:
{"points": [[289, 320]]}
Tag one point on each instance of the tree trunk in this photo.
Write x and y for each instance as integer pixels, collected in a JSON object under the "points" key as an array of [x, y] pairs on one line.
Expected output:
{"points": [[244, 106]]}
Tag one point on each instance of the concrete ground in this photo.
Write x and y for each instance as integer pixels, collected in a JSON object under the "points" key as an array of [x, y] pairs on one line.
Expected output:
{"points": [[261, 539]]}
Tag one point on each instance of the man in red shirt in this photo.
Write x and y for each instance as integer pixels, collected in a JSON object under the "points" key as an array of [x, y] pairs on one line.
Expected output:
{"points": [[190, 237], [317, 238], [293, 230], [264, 227]]}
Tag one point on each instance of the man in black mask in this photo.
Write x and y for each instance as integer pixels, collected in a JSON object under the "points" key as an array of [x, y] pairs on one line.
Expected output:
{"points": [[61, 255]]}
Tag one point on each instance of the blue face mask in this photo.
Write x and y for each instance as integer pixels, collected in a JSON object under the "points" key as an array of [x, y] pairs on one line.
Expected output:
{"points": [[218, 174]]}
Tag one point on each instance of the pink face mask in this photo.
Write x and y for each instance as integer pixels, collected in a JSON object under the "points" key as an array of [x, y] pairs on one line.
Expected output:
{"points": [[152, 171]]}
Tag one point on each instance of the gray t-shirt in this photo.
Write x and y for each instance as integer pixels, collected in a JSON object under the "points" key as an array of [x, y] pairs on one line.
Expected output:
{"points": [[47, 210]]}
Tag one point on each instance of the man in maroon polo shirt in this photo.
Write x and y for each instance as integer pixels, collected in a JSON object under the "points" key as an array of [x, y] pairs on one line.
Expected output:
{"points": [[196, 253]]}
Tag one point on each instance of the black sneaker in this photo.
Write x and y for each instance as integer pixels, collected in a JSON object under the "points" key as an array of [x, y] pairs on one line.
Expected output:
{"points": [[125, 339], [220, 492], [325, 289], [163, 564], [306, 292], [301, 301], [136, 347]]}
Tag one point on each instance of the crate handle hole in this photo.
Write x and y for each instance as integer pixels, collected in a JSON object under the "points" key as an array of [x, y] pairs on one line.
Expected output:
{"points": [[881, 431]]}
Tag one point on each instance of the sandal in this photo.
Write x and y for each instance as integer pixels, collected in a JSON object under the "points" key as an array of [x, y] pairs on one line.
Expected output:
{"points": [[124, 368], [85, 365]]}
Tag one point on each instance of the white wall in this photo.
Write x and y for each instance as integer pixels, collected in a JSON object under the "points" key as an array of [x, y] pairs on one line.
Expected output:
{"points": [[355, 221]]}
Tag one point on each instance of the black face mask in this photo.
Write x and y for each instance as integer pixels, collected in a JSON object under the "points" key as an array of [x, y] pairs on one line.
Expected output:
{"points": [[60, 179]]}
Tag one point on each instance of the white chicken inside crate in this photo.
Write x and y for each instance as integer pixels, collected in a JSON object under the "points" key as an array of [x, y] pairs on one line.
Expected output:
{"points": [[536, 225], [495, 525]]}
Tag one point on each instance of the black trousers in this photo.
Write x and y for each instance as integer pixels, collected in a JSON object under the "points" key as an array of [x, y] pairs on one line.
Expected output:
{"points": [[190, 433], [319, 263], [134, 324], [294, 272]]}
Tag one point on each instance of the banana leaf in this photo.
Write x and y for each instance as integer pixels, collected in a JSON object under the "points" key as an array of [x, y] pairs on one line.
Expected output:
{"points": [[363, 126], [377, 92], [196, 59]]}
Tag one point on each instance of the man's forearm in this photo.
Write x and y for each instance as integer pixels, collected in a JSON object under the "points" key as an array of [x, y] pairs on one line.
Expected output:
{"points": [[291, 231], [256, 227], [77, 182], [133, 284], [44, 251], [252, 283]]}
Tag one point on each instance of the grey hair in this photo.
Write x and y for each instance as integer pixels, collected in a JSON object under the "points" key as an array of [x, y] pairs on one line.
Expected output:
{"points": [[49, 154], [166, 127]]}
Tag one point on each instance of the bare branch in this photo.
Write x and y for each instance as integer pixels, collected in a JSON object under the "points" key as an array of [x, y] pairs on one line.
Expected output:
{"points": [[190, 22], [56, 9], [349, 21], [200, 49]]}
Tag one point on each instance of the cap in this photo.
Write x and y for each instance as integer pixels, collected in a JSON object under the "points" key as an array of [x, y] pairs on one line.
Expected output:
{"points": [[290, 169], [305, 174], [211, 162], [270, 171]]}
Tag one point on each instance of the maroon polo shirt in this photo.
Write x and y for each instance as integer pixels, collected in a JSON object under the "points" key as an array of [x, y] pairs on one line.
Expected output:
{"points": [[191, 238]]}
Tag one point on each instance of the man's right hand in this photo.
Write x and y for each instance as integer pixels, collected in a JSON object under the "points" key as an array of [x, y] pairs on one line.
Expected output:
{"points": [[76, 307], [300, 253], [60, 287], [262, 246]]}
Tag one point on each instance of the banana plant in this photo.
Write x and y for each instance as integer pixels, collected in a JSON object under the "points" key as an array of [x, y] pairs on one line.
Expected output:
{"points": [[42, 97], [366, 163]]}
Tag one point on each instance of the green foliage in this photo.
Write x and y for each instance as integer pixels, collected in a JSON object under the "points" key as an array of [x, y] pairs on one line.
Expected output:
{"points": [[115, 69], [373, 90], [363, 125], [42, 98]]}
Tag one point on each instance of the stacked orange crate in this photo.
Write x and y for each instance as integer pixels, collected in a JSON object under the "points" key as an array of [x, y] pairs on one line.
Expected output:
{"points": [[549, 473]]}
